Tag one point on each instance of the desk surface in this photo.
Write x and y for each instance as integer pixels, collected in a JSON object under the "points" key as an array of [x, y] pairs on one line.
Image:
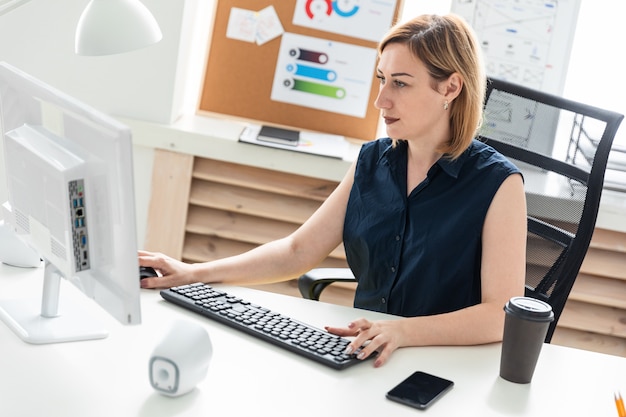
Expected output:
{"points": [[109, 377]]}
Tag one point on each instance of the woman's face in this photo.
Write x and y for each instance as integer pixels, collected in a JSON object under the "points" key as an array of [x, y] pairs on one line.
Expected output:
{"points": [[411, 108]]}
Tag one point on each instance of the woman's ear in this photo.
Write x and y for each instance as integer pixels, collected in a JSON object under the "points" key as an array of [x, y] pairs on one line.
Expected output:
{"points": [[452, 87]]}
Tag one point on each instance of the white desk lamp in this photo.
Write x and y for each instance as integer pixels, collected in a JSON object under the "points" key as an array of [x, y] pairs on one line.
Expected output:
{"points": [[8, 5], [109, 26], [114, 26]]}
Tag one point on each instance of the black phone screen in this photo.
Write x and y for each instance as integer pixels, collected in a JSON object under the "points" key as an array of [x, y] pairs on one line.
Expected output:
{"points": [[420, 390]]}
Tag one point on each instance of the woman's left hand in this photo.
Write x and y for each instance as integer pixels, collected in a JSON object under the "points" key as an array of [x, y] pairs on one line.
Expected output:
{"points": [[382, 336]]}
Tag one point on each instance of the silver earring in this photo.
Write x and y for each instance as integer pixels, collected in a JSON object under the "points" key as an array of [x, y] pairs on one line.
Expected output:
{"points": [[445, 105]]}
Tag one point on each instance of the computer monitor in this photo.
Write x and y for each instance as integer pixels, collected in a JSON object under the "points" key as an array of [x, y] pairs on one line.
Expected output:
{"points": [[70, 192]]}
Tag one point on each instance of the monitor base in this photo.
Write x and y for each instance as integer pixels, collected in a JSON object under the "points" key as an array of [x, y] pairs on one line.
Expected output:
{"points": [[24, 318]]}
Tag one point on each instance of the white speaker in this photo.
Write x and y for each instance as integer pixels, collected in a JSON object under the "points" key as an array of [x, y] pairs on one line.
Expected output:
{"points": [[181, 359]]}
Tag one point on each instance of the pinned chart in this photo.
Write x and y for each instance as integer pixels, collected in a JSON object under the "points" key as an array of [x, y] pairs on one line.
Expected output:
{"points": [[363, 19], [315, 74], [324, 75]]}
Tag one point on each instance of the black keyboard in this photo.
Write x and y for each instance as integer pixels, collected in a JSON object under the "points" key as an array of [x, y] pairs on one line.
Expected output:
{"points": [[298, 337]]}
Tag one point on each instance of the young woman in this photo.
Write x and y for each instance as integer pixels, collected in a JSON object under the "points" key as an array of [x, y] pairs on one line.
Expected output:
{"points": [[433, 221]]}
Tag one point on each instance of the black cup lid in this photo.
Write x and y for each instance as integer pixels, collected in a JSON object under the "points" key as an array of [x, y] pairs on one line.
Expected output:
{"points": [[529, 308]]}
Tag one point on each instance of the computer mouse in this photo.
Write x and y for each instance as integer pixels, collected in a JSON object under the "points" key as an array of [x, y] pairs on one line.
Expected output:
{"points": [[147, 272]]}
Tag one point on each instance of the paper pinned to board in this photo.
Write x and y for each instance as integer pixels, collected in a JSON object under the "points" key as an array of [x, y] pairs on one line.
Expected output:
{"points": [[241, 25], [269, 26], [252, 26]]}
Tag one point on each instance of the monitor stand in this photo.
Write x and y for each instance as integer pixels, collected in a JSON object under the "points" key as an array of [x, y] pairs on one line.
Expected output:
{"points": [[41, 322]]}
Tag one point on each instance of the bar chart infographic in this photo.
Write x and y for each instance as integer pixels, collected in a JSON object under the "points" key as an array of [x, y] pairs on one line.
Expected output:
{"points": [[324, 75]]}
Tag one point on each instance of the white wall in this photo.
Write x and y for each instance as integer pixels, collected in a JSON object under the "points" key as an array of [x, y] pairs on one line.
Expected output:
{"points": [[38, 37], [149, 84], [598, 55]]}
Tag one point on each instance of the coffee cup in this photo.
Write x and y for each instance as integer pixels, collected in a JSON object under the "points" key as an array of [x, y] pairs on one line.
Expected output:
{"points": [[525, 327]]}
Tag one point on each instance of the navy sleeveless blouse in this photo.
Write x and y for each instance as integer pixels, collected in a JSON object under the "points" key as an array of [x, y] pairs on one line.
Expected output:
{"points": [[421, 254]]}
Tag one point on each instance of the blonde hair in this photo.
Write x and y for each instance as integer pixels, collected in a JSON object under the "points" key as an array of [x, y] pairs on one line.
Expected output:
{"points": [[447, 44]]}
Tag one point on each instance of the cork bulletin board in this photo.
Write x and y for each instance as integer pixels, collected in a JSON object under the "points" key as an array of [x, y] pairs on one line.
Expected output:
{"points": [[239, 76]]}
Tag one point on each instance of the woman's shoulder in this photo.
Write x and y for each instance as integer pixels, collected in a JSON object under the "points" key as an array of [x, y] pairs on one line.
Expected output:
{"points": [[380, 145], [373, 154], [374, 150], [485, 155]]}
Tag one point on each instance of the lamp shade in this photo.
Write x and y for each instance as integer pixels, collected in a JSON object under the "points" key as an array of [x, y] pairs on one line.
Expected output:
{"points": [[8, 5], [114, 26]]}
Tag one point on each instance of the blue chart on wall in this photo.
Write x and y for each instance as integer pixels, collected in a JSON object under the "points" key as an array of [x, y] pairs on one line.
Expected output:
{"points": [[323, 74]]}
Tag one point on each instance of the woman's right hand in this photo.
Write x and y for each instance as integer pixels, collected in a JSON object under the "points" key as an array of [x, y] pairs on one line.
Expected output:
{"points": [[172, 271]]}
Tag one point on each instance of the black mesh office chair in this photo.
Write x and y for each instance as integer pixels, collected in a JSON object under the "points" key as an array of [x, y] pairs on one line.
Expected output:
{"points": [[562, 148]]}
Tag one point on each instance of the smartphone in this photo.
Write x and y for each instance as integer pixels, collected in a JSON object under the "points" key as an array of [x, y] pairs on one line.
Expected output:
{"points": [[420, 390]]}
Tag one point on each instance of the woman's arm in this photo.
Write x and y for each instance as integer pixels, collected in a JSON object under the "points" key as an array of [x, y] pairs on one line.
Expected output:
{"points": [[275, 261], [502, 277]]}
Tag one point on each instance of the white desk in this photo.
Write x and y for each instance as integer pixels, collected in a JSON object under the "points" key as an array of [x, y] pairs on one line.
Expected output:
{"points": [[109, 377]]}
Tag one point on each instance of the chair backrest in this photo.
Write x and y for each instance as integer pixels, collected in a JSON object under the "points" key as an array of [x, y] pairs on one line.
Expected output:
{"points": [[562, 147]]}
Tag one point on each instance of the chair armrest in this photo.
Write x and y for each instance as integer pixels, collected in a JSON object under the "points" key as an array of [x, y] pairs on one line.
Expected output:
{"points": [[313, 282]]}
